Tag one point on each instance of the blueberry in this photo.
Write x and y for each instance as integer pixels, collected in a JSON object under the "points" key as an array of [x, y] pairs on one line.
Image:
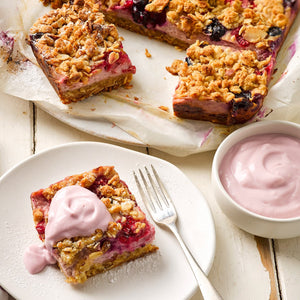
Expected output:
{"points": [[148, 19], [274, 30], [289, 3], [215, 30], [244, 104], [157, 18], [36, 36], [188, 61], [140, 4], [136, 14], [243, 94]]}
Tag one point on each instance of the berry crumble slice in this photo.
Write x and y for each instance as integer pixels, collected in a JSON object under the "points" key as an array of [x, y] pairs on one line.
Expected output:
{"points": [[220, 84], [126, 235], [245, 24], [79, 52]]}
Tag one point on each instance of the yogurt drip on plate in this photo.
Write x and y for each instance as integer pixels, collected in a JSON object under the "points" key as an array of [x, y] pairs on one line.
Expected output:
{"points": [[74, 211], [262, 174]]}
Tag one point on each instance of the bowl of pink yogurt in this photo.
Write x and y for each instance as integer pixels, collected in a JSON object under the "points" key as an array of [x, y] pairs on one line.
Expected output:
{"points": [[256, 178]]}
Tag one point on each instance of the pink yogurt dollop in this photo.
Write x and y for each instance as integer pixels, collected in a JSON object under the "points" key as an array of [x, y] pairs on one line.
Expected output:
{"points": [[74, 211], [262, 174]]}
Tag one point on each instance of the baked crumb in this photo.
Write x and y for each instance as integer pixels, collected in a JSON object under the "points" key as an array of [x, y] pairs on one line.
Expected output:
{"points": [[147, 53], [128, 86], [164, 108]]}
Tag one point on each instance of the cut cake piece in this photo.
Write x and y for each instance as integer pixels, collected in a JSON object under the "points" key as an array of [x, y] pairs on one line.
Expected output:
{"points": [[129, 236], [79, 52], [245, 24], [220, 84]]}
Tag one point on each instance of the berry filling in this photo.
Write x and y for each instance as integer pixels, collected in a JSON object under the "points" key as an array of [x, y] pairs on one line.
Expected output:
{"points": [[237, 106], [289, 3], [36, 36], [111, 67], [274, 31], [244, 94], [40, 228], [100, 181], [246, 103], [127, 235], [141, 16], [239, 38], [215, 30], [263, 54]]}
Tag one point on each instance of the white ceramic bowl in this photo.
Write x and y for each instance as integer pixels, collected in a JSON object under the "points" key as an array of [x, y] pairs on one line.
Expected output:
{"points": [[240, 216]]}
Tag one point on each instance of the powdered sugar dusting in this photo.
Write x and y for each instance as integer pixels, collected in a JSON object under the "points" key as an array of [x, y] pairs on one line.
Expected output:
{"points": [[136, 268], [126, 274]]}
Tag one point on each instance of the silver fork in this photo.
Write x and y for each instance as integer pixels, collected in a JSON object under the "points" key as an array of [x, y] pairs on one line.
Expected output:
{"points": [[163, 212]]}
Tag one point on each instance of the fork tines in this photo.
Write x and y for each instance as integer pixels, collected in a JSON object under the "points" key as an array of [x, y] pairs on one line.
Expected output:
{"points": [[152, 190]]}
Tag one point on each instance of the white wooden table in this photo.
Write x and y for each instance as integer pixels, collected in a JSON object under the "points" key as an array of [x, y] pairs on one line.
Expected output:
{"points": [[245, 266]]}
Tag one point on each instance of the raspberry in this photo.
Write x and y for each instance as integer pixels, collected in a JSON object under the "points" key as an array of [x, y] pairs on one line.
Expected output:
{"points": [[40, 227], [241, 41]]}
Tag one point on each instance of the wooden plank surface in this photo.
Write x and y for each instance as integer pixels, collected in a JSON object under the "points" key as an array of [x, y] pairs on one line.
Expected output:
{"points": [[244, 265]]}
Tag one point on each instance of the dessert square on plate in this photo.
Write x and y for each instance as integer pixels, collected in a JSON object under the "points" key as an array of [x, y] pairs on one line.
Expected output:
{"points": [[79, 52], [128, 234]]}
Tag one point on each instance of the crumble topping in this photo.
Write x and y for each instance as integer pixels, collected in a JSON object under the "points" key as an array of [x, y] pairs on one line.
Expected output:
{"points": [[54, 3], [253, 19], [248, 23], [76, 41], [157, 5], [219, 73]]}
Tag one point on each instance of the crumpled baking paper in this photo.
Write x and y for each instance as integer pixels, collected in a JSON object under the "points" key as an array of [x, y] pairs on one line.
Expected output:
{"points": [[138, 110]]}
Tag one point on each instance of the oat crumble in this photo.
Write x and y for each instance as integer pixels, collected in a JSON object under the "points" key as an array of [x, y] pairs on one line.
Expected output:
{"points": [[75, 39], [219, 73]]}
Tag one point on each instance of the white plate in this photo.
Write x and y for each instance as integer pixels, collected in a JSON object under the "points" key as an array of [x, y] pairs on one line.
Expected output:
{"points": [[165, 275]]}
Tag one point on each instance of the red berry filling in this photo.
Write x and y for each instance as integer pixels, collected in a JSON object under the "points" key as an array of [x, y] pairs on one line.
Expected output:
{"points": [[123, 58], [239, 38], [100, 181], [128, 235], [40, 227]]}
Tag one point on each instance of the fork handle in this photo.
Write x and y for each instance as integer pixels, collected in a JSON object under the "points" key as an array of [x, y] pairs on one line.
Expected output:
{"points": [[207, 289]]}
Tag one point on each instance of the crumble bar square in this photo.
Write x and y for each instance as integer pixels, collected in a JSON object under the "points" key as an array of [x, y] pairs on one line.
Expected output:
{"points": [[79, 52], [220, 84]]}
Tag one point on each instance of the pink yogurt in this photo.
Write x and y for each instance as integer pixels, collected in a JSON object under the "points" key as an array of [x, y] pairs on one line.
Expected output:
{"points": [[262, 174], [74, 211]]}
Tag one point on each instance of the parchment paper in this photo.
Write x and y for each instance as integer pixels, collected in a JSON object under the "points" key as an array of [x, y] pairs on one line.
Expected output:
{"points": [[136, 110]]}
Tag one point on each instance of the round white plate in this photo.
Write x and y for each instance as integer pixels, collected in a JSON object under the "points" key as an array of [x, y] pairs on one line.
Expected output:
{"points": [[163, 275]]}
